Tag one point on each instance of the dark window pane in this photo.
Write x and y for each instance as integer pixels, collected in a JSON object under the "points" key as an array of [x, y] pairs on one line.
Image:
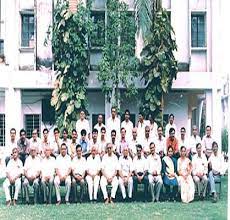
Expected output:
{"points": [[27, 29]]}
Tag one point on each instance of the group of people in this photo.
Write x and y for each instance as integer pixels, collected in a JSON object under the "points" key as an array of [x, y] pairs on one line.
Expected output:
{"points": [[116, 155]]}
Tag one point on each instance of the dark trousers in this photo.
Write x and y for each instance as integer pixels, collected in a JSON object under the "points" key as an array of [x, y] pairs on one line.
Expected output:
{"points": [[171, 192], [82, 187], [144, 181]]}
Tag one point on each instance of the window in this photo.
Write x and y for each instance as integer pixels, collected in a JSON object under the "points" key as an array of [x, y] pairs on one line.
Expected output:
{"points": [[2, 130], [198, 30], [32, 122], [98, 34], [27, 39]]}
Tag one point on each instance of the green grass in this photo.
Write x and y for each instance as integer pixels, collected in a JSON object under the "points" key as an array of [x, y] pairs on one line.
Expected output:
{"points": [[136, 210]]}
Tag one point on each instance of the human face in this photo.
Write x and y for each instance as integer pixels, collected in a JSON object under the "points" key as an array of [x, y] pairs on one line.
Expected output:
{"points": [[208, 131], [103, 132], [171, 119], [141, 118], [159, 131], [15, 154], [123, 132], [65, 135], [127, 116], [110, 149], [147, 131], [126, 152], [82, 115], [79, 152], [83, 137], [139, 152], [134, 132], [113, 112], [63, 150], [152, 148], [183, 152], [33, 152], [45, 134], [56, 134], [23, 136], [94, 135], [35, 134], [170, 152], [100, 119], [74, 136], [194, 131], [215, 148], [182, 133], [93, 151], [12, 135], [48, 152], [198, 149], [113, 136], [172, 135]]}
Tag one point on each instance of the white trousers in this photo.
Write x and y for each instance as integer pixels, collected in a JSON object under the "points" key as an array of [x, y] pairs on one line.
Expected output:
{"points": [[93, 185], [57, 183], [6, 187], [114, 184], [122, 186]]}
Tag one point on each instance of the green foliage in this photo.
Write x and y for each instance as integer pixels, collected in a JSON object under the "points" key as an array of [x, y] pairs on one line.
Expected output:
{"points": [[224, 139], [71, 60], [158, 65], [118, 65]]}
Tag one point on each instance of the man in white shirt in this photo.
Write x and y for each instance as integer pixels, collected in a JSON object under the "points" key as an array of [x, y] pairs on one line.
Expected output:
{"points": [[63, 170], [194, 140], [141, 124], [14, 172], [146, 141], [140, 172], [45, 142], [133, 143], [123, 142], [93, 165], [154, 169], [73, 144], [78, 170], [109, 167], [113, 123], [83, 123], [94, 141], [127, 125], [66, 140], [125, 173], [102, 142], [32, 173], [170, 124], [207, 141], [115, 142], [160, 142], [216, 164], [183, 140], [11, 146], [200, 171], [35, 140], [99, 125], [56, 143], [153, 127], [48, 165]]}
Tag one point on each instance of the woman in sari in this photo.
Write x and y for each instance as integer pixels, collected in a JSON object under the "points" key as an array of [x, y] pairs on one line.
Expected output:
{"points": [[169, 173], [185, 180]]}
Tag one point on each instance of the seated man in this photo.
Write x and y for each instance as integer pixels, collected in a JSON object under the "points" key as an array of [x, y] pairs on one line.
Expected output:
{"points": [[14, 171], [125, 173], [140, 172], [215, 162], [47, 174], [32, 173], [63, 170], [199, 171], [93, 173], [154, 169], [78, 171], [109, 169]]}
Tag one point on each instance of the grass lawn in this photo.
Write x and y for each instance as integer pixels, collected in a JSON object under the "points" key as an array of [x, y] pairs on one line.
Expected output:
{"points": [[136, 210]]}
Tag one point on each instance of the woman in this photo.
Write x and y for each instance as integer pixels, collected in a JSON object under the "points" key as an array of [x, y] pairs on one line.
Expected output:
{"points": [[185, 180], [169, 173]]}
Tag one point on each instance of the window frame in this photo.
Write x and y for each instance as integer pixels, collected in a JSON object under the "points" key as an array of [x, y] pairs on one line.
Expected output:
{"points": [[30, 130], [3, 137]]}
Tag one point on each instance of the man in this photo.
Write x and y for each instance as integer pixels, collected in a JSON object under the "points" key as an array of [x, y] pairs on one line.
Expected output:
{"points": [[115, 142], [133, 143], [183, 141], [140, 172], [127, 125], [160, 142], [66, 140], [173, 142], [170, 124], [63, 170], [153, 127], [199, 171], [32, 169], [216, 162], [94, 141], [93, 165], [48, 165], [45, 142], [84, 143], [207, 141], [125, 174], [14, 171], [11, 146], [99, 125], [79, 171], [123, 143], [102, 142], [73, 144], [141, 124], [35, 140], [154, 169], [113, 123], [56, 143], [194, 140], [110, 167], [146, 141], [23, 145], [83, 123]]}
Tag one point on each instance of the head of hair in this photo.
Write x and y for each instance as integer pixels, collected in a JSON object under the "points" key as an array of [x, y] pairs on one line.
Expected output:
{"points": [[13, 129], [171, 130], [56, 130], [182, 147], [45, 130], [127, 111], [208, 126], [65, 130], [95, 131], [122, 129], [160, 126], [151, 144], [214, 143], [138, 146], [103, 129], [78, 146], [198, 144], [113, 131], [182, 128], [169, 147], [171, 115], [83, 132], [63, 144], [141, 113], [22, 131], [74, 130]]}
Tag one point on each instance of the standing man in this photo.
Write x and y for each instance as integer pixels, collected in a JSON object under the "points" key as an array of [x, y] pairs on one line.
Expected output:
{"points": [[73, 144], [35, 140], [123, 142], [133, 143], [79, 171], [66, 140], [125, 174], [127, 125], [146, 141], [83, 123], [93, 165], [102, 142], [45, 142], [32, 170], [109, 167], [14, 172], [194, 140], [173, 142], [170, 124], [154, 169], [141, 124], [183, 140], [140, 172], [207, 141], [94, 141], [99, 125], [160, 142], [56, 143], [84, 143], [12, 145], [115, 142], [63, 170], [153, 127], [23, 146]]}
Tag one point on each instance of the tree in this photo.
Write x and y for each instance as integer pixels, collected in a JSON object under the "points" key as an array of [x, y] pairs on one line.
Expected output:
{"points": [[71, 60], [118, 65]]}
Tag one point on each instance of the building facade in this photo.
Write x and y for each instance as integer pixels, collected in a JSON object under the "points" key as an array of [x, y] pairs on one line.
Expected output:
{"points": [[26, 81]]}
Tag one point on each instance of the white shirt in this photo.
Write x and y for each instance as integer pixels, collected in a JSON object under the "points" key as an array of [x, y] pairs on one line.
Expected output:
{"points": [[98, 127], [93, 165], [79, 165], [32, 165], [145, 143], [184, 143], [207, 143], [160, 144], [193, 141], [153, 129], [102, 146], [217, 163], [109, 165], [97, 145], [128, 126], [140, 165], [63, 164], [154, 164], [126, 165], [113, 124], [82, 124], [14, 167], [132, 146], [48, 166], [68, 143], [199, 164], [141, 129], [55, 146], [36, 143], [10, 147], [167, 128]]}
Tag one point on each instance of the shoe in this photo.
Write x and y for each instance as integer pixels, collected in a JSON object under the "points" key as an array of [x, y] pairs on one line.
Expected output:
{"points": [[67, 203], [111, 201]]}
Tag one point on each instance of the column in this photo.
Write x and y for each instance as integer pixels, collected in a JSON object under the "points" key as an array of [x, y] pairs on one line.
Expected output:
{"points": [[208, 96]]}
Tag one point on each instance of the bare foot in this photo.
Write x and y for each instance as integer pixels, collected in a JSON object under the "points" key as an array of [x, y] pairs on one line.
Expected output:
{"points": [[8, 203], [14, 202], [58, 202], [107, 201]]}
